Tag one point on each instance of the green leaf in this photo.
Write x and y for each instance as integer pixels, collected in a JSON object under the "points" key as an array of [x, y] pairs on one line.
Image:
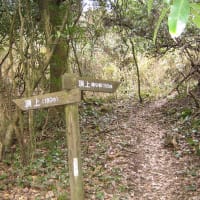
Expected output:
{"points": [[149, 6], [191, 188], [178, 17], [186, 113], [163, 14], [195, 11], [192, 142], [167, 1]]}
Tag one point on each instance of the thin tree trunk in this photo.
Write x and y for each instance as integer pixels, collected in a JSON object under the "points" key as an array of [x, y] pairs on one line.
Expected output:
{"points": [[137, 70]]}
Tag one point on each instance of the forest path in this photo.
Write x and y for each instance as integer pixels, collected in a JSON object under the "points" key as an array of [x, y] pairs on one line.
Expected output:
{"points": [[153, 171], [124, 158]]}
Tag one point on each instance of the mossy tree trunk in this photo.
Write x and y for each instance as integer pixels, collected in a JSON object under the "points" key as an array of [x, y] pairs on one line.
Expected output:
{"points": [[59, 59], [52, 18]]}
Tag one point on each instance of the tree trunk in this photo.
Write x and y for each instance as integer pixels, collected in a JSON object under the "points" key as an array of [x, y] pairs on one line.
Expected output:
{"points": [[137, 70], [52, 18]]}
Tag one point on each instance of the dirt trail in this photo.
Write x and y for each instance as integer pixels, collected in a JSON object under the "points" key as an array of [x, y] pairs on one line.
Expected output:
{"points": [[126, 161], [154, 171]]}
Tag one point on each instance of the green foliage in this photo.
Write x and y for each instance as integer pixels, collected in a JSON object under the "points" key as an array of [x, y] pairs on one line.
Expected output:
{"points": [[186, 113], [48, 172], [63, 196], [40, 117], [178, 17], [167, 1], [193, 142], [3, 176], [100, 195], [191, 188], [195, 11], [161, 17], [186, 125], [149, 6]]}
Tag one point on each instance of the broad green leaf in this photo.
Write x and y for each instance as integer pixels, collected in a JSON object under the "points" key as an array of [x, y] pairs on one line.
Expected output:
{"points": [[162, 15], [149, 6], [178, 17], [167, 1]]}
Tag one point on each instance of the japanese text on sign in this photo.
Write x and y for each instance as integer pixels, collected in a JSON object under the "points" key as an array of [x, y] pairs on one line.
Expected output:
{"points": [[87, 84], [29, 103]]}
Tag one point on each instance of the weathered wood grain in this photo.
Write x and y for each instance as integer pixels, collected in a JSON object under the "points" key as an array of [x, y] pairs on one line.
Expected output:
{"points": [[49, 100], [89, 84]]}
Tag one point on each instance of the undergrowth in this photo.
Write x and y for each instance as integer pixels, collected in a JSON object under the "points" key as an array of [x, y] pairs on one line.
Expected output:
{"points": [[48, 172]]}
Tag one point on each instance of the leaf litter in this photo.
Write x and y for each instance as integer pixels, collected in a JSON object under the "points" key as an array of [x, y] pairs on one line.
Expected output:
{"points": [[124, 158]]}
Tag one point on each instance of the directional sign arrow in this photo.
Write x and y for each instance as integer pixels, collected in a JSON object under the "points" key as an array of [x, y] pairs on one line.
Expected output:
{"points": [[88, 84], [49, 100]]}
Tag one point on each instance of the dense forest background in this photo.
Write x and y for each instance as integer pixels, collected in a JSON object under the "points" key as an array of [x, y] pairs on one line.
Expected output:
{"points": [[122, 40]]}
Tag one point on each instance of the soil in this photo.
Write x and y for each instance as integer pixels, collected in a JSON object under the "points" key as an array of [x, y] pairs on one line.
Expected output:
{"points": [[148, 169], [156, 171]]}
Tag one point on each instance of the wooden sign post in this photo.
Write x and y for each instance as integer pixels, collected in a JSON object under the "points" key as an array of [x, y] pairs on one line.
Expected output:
{"points": [[48, 100], [88, 84], [74, 152], [70, 97], [69, 82], [74, 149]]}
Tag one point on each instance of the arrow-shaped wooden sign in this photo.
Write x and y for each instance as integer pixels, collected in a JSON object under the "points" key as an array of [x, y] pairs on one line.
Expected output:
{"points": [[88, 84], [49, 100]]}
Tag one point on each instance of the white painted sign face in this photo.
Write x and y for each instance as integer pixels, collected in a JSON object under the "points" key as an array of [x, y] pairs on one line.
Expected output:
{"points": [[27, 103], [75, 167]]}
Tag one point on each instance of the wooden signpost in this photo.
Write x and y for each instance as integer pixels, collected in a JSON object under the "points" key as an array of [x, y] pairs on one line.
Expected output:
{"points": [[49, 100], [70, 97], [88, 84]]}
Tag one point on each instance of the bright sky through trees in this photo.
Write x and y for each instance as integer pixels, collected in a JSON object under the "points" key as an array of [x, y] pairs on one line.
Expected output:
{"points": [[89, 4], [93, 4]]}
